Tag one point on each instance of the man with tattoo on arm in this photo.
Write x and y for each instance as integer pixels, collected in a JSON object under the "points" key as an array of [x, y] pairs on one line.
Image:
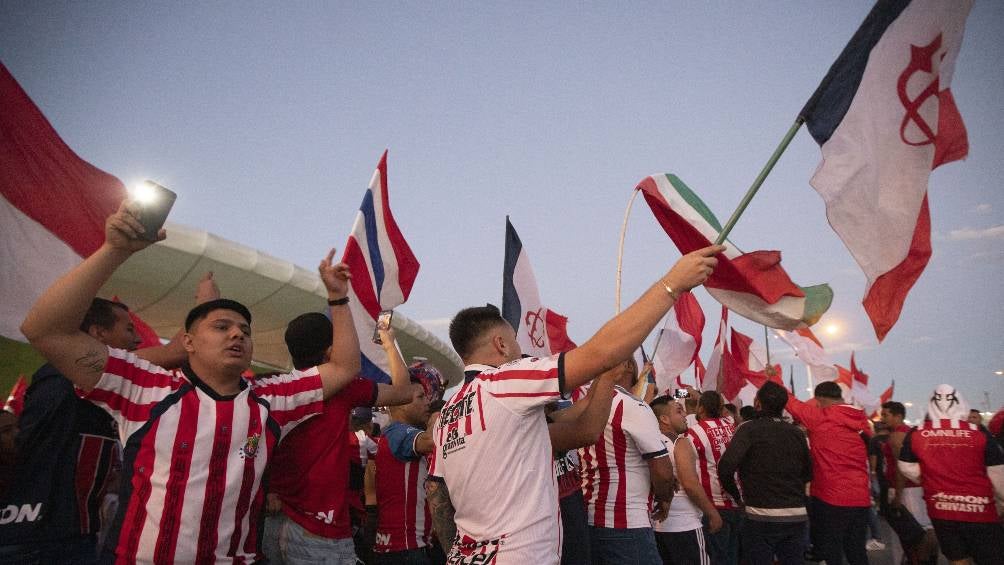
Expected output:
{"points": [[197, 440], [492, 445]]}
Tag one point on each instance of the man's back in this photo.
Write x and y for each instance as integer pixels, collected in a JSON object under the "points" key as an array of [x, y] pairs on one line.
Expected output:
{"points": [[772, 458], [710, 437], [493, 451]]}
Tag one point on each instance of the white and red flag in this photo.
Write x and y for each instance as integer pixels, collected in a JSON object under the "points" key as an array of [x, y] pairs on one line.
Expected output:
{"points": [[540, 331], [711, 378], [53, 205], [810, 351], [859, 389], [679, 342], [753, 284], [15, 400], [884, 117], [383, 270]]}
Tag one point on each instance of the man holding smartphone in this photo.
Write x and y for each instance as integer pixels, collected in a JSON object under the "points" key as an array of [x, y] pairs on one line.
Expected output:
{"points": [[197, 440]]}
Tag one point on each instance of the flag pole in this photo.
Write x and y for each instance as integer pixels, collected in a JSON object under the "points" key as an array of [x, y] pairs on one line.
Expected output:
{"points": [[759, 180], [766, 341], [620, 254]]}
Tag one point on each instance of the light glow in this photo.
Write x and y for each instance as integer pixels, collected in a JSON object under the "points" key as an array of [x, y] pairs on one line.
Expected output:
{"points": [[832, 329], [143, 193]]}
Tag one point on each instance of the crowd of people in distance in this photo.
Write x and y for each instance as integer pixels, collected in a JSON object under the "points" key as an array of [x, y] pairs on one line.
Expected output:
{"points": [[177, 454]]}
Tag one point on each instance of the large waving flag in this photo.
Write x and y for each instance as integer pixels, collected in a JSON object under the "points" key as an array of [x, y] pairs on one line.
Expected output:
{"points": [[53, 205], [753, 285], [383, 270], [712, 377], [884, 117], [679, 342], [810, 351], [540, 331], [859, 389]]}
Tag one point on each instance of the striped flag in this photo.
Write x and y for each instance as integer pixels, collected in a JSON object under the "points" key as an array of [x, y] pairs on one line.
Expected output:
{"points": [[679, 341], [884, 117], [53, 205], [15, 400], [753, 285], [540, 331], [810, 351], [383, 270], [859, 389], [711, 379]]}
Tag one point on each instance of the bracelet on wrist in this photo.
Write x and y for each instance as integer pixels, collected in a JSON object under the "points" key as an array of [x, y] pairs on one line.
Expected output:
{"points": [[339, 301], [669, 290]]}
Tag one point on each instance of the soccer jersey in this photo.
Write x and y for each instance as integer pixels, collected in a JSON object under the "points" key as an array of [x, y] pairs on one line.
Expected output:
{"points": [[683, 515], [710, 438], [403, 520], [494, 452], [953, 457], [310, 471], [193, 459], [616, 481]]}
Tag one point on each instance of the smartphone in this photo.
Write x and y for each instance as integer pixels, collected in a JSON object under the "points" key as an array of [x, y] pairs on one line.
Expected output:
{"points": [[155, 204], [681, 393], [383, 322]]}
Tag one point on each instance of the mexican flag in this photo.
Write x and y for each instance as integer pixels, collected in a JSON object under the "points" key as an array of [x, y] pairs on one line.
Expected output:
{"points": [[753, 285]]}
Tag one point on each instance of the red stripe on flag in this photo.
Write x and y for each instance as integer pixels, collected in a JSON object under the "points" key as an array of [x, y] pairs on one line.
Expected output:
{"points": [[952, 142], [885, 298], [362, 285], [407, 264]]}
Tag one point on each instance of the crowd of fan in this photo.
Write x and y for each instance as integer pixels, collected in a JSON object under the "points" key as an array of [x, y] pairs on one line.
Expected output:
{"points": [[176, 454]]}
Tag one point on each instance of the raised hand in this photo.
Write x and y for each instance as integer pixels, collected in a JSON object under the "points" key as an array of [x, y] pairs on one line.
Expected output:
{"points": [[693, 268], [336, 276], [123, 229], [206, 289]]}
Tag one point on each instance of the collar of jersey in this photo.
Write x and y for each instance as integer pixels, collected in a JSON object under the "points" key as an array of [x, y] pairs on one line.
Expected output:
{"points": [[199, 384], [475, 369]]}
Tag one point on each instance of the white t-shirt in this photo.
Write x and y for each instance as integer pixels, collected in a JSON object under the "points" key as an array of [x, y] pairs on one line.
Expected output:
{"points": [[494, 453], [683, 515]]}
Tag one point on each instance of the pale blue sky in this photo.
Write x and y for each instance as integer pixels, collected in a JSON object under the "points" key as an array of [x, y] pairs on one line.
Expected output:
{"points": [[269, 118]]}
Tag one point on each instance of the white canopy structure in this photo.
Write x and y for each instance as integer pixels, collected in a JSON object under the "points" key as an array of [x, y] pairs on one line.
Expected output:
{"points": [[159, 285]]}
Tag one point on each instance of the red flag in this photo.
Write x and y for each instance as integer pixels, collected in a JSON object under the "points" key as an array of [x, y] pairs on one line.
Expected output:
{"points": [[711, 378], [15, 400], [741, 345]]}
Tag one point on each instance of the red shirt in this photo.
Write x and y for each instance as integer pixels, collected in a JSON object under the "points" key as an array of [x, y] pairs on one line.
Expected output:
{"points": [[890, 461], [837, 436], [403, 520], [953, 458], [310, 472]]}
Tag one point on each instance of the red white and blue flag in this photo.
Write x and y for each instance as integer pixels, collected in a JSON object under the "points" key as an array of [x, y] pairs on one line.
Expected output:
{"points": [[540, 331], [53, 205], [383, 270], [884, 117]]}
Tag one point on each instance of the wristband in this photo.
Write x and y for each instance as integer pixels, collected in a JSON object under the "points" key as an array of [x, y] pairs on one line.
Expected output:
{"points": [[339, 302], [670, 291]]}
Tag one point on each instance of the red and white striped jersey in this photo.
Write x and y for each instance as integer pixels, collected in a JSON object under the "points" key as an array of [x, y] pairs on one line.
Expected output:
{"points": [[494, 452], [403, 520], [616, 481], [193, 460], [710, 438]]}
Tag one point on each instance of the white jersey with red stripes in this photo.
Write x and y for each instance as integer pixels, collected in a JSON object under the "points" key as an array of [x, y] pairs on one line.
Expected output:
{"points": [[616, 481], [403, 521], [710, 438], [494, 453], [193, 460]]}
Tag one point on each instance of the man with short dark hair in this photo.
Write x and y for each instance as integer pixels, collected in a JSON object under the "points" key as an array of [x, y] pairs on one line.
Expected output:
{"points": [[197, 440], [838, 436], [975, 417], [68, 455], [772, 458], [493, 450], [902, 491]]}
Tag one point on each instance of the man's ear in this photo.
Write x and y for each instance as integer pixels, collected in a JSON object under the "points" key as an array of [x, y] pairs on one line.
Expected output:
{"points": [[498, 342], [96, 332], [186, 342]]}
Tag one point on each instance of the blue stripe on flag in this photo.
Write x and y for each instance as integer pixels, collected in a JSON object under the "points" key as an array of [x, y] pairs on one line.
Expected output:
{"points": [[826, 108], [372, 372], [372, 241], [511, 307]]}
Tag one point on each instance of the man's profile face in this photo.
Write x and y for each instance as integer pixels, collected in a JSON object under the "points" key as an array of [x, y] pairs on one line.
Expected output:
{"points": [[975, 418], [677, 417], [122, 334], [222, 339], [417, 411], [888, 418]]}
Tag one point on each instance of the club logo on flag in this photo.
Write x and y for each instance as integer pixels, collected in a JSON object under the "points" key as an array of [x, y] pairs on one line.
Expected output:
{"points": [[921, 61], [535, 327]]}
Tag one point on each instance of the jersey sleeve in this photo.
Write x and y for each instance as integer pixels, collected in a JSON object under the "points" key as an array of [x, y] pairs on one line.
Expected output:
{"points": [[360, 392], [908, 463], [129, 388], [526, 384], [640, 423], [292, 398], [401, 441]]}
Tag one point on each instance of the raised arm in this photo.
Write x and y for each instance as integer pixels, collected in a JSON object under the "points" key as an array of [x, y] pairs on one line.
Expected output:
{"points": [[344, 363], [587, 428], [619, 337], [399, 391], [53, 323]]}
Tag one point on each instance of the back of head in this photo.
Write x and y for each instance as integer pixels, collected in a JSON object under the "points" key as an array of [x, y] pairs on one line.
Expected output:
{"points": [[828, 390], [711, 404], [947, 404], [308, 337], [747, 413], [895, 408], [773, 398], [203, 310], [470, 325], [102, 314]]}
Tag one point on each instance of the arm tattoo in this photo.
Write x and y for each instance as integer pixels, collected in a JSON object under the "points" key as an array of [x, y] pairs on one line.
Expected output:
{"points": [[442, 511], [92, 362]]}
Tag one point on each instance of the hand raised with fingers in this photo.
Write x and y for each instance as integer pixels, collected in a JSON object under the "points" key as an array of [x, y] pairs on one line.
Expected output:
{"points": [[336, 276], [123, 229], [387, 337], [206, 289], [693, 268]]}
